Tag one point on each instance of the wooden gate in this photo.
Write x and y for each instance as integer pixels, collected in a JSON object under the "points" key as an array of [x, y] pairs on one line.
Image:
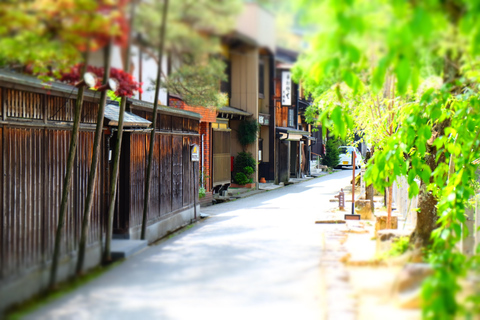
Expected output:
{"points": [[221, 157]]}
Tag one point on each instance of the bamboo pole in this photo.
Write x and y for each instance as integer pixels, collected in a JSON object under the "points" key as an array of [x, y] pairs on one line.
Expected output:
{"points": [[154, 121], [92, 177], [118, 148], [67, 182]]}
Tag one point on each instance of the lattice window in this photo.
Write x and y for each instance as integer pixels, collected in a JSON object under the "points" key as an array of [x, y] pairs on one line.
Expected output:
{"points": [[22, 104]]}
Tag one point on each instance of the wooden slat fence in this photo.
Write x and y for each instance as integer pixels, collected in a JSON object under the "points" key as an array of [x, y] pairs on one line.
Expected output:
{"points": [[32, 165], [172, 183]]}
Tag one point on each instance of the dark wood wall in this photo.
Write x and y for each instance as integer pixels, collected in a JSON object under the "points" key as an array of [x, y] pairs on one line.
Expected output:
{"points": [[35, 131], [34, 142], [172, 186]]}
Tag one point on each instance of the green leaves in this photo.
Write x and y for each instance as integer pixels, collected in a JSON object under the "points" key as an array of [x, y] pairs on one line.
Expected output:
{"points": [[403, 71], [352, 80]]}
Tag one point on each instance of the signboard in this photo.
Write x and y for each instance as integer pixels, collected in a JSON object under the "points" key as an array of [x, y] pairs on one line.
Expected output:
{"points": [[264, 119], [195, 152], [261, 119], [286, 88]]}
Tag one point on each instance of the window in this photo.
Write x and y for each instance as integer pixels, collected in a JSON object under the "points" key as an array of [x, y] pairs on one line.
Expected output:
{"points": [[291, 114], [261, 79]]}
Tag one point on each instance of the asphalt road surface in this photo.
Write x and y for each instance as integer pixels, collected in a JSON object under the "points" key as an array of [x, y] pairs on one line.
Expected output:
{"points": [[254, 258]]}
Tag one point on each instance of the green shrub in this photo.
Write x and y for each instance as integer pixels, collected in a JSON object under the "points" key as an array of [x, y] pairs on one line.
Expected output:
{"points": [[243, 160], [201, 193], [332, 158], [248, 171], [241, 178], [399, 246], [243, 168]]}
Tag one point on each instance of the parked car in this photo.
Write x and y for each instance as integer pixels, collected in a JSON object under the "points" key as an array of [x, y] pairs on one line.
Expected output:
{"points": [[345, 154]]}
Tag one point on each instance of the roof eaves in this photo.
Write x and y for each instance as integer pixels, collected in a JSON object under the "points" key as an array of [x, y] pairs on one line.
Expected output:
{"points": [[164, 109]]}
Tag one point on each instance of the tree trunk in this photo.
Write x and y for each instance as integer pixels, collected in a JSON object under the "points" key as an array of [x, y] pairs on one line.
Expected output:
{"points": [[92, 177], [67, 182], [389, 206], [118, 148], [154, 122], [427, 203]]}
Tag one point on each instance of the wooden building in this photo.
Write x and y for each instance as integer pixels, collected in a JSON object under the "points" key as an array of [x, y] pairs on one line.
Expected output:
{"points": [[293, 134], [36, 120]]}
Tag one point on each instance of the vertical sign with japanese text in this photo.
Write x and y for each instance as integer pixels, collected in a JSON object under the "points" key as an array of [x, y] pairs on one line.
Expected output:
{"points": [[286, 88]]}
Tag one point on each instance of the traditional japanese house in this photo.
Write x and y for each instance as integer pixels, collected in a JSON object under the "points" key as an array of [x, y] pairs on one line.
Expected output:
{"points": [[293, 134], [35, 127]]}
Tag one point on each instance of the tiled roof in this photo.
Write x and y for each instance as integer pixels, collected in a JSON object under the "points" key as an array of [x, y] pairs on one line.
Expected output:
{"points": [[130, 120]]}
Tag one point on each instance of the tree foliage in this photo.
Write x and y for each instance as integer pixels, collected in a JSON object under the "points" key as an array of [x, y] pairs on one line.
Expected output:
{"points": [[247, 132], [193, 43], [127, 85], [49, 36], [332, 157], [435, 136]]}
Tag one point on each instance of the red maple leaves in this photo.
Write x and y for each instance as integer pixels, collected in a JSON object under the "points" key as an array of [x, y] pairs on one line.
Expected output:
{"points": [[128, 86]]}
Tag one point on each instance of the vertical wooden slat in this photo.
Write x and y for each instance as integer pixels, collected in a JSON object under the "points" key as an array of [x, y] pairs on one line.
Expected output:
{"points": [[44, 108], [2, 104], [177, 171], [6, 197], [27, 174], [187, 173], [44, 181], [33, 195], [10, 225], [7, 102], [2, 205], [15, 198], [154, 207]]}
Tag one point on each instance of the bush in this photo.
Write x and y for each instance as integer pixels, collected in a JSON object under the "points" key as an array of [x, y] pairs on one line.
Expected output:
{"points": [[241, 178], [332, 158], [248, 171], [243, 168], [201, 193], [243, 160]]}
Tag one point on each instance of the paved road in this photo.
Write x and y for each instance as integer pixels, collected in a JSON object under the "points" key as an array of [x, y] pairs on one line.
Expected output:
{"points": [[254, 258]]}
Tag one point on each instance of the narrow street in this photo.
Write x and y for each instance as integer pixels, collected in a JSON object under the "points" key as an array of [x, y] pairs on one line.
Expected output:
{"points": [[254, 258]]}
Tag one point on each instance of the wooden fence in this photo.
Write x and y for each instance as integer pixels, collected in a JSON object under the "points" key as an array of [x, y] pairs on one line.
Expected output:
{"points": [[172, 186], [35, 130], [34, 140]]}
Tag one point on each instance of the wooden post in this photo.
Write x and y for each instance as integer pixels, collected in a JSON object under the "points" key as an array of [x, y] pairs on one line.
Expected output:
{"points": [[194, 192], [353, 181], [67, 182], [92, 177], [118, 148], [154, 121]]}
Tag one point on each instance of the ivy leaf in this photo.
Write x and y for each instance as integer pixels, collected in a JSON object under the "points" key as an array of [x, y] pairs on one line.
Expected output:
{"points": [[425, 174], [413, 190]]}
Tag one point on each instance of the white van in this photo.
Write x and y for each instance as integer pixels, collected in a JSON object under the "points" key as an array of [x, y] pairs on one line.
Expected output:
{"points": [[345, 154]]}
